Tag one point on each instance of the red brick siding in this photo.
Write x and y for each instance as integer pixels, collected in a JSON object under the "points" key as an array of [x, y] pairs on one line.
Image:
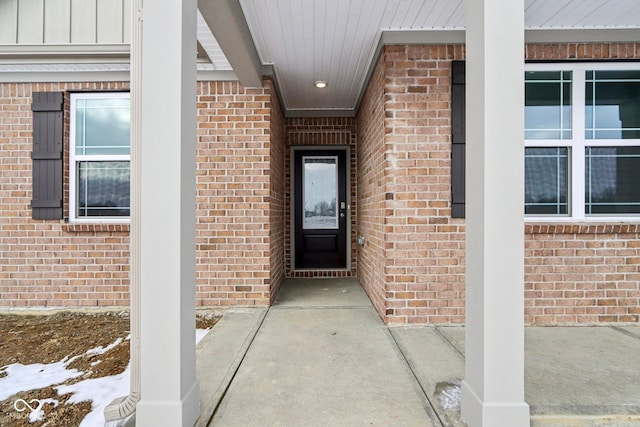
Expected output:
{"points": [[320, 132], [573, 275], [371, 190], [277, 191], [233, 195], [423, 247], [581, 51], [239, 239], [412, 264], [50, 263], [582, 274]]}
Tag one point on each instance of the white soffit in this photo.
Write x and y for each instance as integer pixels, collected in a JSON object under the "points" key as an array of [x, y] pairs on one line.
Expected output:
{"points": [[337, 40], [582, 14]]}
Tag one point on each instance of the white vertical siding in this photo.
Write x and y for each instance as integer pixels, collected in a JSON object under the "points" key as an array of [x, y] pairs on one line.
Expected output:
{"points": [[57, 21], [109, 24], [83, 21], [65, 21], [8, 21], [31, 21], [126, 19]]}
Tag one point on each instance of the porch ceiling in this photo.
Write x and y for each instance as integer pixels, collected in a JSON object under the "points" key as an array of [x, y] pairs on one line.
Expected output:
{"points": [[339, 40]]}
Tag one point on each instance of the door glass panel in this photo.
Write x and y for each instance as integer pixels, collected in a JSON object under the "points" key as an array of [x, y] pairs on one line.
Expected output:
{"points": [[320, 190]]}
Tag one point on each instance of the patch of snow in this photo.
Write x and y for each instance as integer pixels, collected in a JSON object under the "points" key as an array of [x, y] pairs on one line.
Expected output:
{"points": [[200, 333], [103, 350], [21, 377], [100, 391], [451, 396]]}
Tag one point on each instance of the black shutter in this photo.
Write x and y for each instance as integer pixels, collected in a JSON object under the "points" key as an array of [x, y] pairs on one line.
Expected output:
{"points": [[47, 155], [457, 139]]}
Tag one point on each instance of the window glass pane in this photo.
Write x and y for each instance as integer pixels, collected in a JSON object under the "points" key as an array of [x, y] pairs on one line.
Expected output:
{"points": [[612, 105], [612, 180], [102, 189], [547, 105], [102, 126], [320, 192], [546, 181]]}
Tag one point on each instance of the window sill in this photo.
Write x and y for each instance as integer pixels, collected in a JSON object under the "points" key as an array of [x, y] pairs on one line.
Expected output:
{"points": [[95, 227]]}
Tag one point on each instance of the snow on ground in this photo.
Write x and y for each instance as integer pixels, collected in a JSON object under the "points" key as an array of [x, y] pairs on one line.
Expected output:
{"points": [[200, 333], [33, 377], [101, 391], [102, 350]]}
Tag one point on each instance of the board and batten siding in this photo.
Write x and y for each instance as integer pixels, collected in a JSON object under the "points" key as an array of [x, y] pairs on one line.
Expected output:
{"points": [[65, 21]]}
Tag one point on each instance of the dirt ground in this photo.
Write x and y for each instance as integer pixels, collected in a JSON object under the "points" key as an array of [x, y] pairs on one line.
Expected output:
{"points": [[29, 339]]}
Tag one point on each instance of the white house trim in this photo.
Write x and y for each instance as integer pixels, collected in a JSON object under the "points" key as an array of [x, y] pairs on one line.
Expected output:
{"points": [[170, 393], [493, 388]]}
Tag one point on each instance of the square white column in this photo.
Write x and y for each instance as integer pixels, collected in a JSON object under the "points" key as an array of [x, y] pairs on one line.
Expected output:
{"points": [[493, 388], [167, 93]]}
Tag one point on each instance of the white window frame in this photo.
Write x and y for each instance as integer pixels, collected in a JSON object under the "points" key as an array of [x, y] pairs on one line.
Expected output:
{"points": [[75, 158], [578, 143]]}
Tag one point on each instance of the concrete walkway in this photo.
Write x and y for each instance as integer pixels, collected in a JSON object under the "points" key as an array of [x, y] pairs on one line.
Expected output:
{"points": [[321, 356]]}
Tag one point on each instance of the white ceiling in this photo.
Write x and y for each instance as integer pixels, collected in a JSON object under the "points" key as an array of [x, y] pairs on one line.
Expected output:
{"points": [[337, 40]]}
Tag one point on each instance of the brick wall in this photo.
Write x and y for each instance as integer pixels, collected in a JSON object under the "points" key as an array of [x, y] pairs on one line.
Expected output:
{"points": [[234, 238], [415, 251], [412, 264], [239, 228], [276, 197], [417, 248], [338, 131], [372, 189], [582, 273], [50, 263]]}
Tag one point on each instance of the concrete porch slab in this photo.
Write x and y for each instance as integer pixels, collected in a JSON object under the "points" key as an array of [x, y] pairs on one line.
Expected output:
{"points": [[574, 376], [324, 357], [631, 330], [437, 365], [220, 353], [322, 293], [589, 372]]}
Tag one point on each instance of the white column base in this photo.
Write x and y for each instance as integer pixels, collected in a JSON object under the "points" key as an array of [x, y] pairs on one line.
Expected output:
{"points": [[475, 412], [162, 413]]}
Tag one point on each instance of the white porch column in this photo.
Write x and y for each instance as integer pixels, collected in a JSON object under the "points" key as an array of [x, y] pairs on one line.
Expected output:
{"points": [[493, 389], [167, 92]]}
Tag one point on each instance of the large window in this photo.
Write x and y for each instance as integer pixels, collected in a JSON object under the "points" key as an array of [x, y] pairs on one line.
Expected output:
{"points": [[99, 157], [582, 141]]}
